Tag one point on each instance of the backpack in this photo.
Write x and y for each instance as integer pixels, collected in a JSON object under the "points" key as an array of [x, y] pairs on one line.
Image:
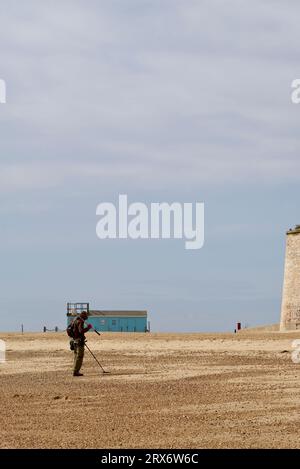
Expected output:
{"points": [[70, 329]]}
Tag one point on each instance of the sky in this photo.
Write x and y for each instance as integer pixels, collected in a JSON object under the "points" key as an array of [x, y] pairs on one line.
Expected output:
{"points": [[186, 101]]}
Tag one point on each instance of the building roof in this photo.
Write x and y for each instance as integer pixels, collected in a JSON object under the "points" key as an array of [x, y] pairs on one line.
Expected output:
{"points": [[118, 313], [294, 230], [124, 313]]}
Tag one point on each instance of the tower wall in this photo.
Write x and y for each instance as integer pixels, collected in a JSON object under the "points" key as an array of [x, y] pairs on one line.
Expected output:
{"points": [[290, 311]]}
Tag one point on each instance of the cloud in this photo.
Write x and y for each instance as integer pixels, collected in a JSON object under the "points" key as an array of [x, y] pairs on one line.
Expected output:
{"points": [[158, 93]]}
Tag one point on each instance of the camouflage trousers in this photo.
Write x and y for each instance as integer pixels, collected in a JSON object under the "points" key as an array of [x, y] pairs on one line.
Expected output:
{"points": [[78, 355]]}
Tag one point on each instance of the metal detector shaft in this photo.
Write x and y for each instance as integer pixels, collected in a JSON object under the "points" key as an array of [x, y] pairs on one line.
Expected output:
{"points": [[95, 358]]}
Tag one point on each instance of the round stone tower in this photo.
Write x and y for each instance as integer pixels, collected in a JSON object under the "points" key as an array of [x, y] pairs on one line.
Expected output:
{"points": [[290, 311]]}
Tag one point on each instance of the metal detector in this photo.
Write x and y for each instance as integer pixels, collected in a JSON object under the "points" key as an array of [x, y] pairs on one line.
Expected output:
{"points": [[95, 358]]}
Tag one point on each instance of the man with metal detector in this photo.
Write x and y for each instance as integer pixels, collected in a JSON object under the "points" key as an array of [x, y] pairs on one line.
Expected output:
{"points": [[78, 331]]}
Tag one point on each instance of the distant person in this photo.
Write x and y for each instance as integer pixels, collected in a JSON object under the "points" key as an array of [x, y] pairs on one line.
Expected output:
{"points": [[78, 331]]}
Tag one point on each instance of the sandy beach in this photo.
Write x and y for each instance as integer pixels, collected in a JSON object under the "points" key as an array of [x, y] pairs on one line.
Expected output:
{"points": [[163, 391]]}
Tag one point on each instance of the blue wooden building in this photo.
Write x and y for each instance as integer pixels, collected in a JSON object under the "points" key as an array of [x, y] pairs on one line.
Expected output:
{"points": [[112, 321], [119, 321]]}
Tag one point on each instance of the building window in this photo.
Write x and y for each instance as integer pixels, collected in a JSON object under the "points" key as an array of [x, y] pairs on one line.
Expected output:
{"points": [[114, 322], [102, 322]]}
